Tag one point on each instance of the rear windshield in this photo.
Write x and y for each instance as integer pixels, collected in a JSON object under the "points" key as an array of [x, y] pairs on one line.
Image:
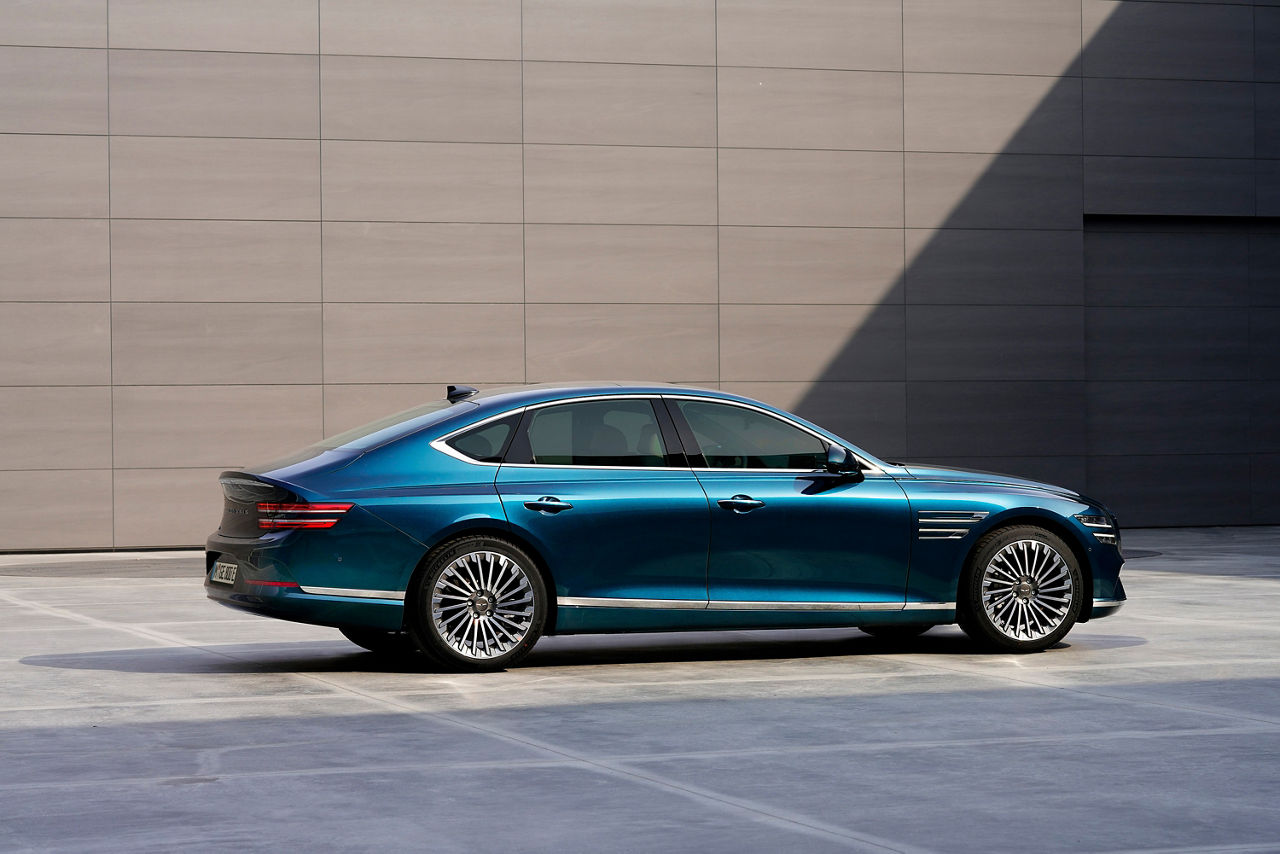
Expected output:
{"points": [[372, 434], [369, 435]]}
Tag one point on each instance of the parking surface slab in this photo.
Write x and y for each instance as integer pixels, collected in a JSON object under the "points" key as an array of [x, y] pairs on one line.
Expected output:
{"points": [[136, 715]]}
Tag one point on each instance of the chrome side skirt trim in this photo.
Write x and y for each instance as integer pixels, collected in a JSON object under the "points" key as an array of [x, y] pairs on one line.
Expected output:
{"points": [[1108, 603], [397, 595], [804, 606], [730, 605], [667, 604]]}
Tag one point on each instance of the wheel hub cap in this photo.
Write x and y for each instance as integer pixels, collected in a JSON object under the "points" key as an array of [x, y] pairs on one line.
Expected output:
{"points": [[482, 604], [1027, 590]]}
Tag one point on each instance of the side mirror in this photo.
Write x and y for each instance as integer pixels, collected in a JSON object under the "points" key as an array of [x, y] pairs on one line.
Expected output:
{"points": [[840, 461]]}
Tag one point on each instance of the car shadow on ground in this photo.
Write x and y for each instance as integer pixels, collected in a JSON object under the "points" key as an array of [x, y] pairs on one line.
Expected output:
{"points": [[339, 657]]}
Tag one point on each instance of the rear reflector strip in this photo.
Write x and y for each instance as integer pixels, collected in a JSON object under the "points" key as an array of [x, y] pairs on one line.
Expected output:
{"points": [[287, 517], [271, 583]]}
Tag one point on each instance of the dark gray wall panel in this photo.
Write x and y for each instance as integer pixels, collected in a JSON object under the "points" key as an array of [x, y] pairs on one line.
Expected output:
{"points": [[1267, 178], [1264, 417], [1264, 268], [994, 342], [1211, 489], [1168, 118], [1193, 41], [1184, 186], [1265, 470], [1168, 417], [1167, 343], [980, 191], [1267, 117], [1264, 343], [1267, 35], [996, 266], [955, 419], [1166, 269]]}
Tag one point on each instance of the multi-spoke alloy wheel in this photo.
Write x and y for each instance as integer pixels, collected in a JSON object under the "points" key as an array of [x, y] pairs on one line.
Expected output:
{"points": [[1021, 591], [481, 604], [1027, 590]]}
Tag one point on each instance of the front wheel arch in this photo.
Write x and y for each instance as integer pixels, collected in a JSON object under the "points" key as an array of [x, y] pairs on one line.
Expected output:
{"points": [[1053, 525]]}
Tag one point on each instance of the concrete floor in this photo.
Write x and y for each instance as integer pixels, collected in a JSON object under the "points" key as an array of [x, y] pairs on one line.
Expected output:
{"points": [[135, 715]]}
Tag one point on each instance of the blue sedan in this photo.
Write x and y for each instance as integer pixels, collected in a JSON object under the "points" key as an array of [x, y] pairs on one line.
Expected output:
{"points": [[467, 528]]}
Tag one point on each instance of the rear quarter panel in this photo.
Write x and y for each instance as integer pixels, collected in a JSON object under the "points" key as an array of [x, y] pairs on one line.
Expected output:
{"points": [[422, 496]]}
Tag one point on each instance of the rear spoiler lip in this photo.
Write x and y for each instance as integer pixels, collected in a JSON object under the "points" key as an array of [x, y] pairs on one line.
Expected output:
{"points": [[297, 489]]}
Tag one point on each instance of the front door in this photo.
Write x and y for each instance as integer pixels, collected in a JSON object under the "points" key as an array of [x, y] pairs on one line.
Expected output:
{"points": [[785, 532], [617, 515]]}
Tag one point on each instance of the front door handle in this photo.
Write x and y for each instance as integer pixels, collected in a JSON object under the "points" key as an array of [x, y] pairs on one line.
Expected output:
{"points": [[740, 503], [548, 505]]}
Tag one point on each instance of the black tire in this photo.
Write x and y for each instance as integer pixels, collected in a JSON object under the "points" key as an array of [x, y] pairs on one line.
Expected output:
{"points": [[453, 600], [1021, 591], [380, 642], [890, 631]]}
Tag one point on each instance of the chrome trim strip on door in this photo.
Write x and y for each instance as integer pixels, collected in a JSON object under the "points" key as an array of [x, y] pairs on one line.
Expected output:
{"points": [[929, 606], [598, 602], [352, 593]]}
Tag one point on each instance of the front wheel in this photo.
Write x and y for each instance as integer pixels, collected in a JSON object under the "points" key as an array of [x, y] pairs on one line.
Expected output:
{"points": [[1021, 591], [480, 604]]}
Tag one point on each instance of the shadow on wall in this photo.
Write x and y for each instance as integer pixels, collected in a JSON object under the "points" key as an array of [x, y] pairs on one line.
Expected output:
{"points": [[1100, 308]]}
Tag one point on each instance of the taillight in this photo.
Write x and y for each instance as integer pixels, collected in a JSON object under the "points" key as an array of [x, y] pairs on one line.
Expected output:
{"points": [[287, 517]]}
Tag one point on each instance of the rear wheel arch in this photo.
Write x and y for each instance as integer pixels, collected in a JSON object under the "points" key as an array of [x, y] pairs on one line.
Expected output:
{"points": [[508, 534]]}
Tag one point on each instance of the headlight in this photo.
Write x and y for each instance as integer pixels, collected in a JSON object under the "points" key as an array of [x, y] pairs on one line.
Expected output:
{"points": [[1101, 527]]}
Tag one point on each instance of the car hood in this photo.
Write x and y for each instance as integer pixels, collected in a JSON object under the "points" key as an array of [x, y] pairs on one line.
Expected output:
{"points": [[954, 475]]}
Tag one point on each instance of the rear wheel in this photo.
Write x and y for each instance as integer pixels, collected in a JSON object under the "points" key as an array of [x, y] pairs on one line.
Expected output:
{"points": [[382, 643], [1021, 591], [890, 631], [480, 604]]}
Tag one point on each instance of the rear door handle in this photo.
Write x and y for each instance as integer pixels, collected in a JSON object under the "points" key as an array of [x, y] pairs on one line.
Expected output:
{"points": [[548, 505], [740, 503]]}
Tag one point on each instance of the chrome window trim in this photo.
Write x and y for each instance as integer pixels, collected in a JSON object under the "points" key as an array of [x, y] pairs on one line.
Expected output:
{"points": [[734, 605], [441, 444], [867, 465], [355, 593]]}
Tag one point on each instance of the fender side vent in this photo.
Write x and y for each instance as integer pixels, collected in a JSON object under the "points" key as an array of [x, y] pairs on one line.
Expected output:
{"points": [[947, 524]]}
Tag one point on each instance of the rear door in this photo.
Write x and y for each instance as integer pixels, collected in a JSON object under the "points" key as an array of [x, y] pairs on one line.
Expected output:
{"points": [[601, 487], [785, 533]]}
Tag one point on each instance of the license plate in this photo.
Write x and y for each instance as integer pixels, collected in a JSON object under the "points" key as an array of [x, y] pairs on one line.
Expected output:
{"points": [[224, 572]]}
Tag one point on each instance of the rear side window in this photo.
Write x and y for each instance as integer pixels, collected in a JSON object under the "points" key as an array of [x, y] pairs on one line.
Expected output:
{"points": [[735, 437], [488, 442], [594, 433]]}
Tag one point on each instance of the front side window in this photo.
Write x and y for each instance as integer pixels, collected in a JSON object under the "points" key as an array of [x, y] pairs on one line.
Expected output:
{"points": [[593, 433], [734, 437]]}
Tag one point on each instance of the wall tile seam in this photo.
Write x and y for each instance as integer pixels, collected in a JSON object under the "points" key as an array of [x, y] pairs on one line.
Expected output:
{"points": [[996, 155]]}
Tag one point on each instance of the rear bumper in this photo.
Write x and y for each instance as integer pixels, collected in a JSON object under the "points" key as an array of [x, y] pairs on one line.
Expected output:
{"points": [[265, 585]]}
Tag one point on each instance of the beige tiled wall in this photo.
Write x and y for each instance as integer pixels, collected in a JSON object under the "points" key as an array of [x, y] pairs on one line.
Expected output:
{"points": [[229, 227]]}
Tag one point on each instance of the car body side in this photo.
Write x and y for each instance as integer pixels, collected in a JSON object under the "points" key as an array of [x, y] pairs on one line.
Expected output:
{"points": [[410, 497]]}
